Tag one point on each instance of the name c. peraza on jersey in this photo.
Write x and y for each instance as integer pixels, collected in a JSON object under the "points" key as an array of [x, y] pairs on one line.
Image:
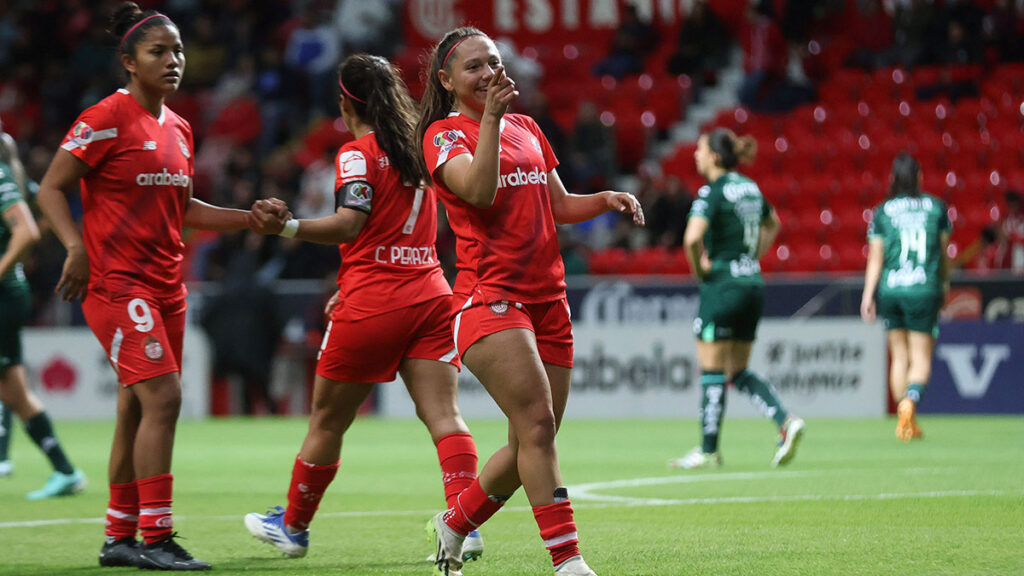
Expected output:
{"points": [[520, 178], [405, 255], [163, 178]]}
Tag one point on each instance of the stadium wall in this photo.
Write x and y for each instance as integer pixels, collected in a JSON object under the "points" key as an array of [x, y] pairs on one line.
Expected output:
{"points": [[70, 373], [823, 368]]}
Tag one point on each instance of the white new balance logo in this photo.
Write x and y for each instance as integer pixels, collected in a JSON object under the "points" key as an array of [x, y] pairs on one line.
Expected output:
{"points": [[149, 145]]}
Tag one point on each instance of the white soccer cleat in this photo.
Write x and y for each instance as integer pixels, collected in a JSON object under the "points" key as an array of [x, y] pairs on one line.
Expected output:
{"points": [[697, 458], [447, 546], [574, 566], [270, 528], [792, 431], [472, 546]]}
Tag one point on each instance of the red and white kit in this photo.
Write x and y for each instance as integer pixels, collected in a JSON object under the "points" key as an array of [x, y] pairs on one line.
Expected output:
{"points": [[394, 298], [134, 202], [510, 270]]}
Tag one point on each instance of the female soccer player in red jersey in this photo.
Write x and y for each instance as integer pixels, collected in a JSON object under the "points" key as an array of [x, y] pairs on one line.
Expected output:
{"points": [[393, 310], [496, 174], [134, 158]]}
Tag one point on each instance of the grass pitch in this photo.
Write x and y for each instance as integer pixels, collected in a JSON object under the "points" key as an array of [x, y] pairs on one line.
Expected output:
{"points": [[855, 501]]}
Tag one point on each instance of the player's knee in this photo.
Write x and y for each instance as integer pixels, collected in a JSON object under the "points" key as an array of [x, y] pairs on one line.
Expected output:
{"points": [[537, 428]]}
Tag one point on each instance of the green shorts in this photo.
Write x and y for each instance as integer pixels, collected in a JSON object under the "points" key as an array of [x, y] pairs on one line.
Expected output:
{"points": [[916, 312], [15, 308], [728, 311]]}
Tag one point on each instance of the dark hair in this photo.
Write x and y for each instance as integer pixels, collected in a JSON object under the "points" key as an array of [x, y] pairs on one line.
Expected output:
{"points": [[381, 99], [437, 102], [732, 149], [127, 15], [905, 171]]}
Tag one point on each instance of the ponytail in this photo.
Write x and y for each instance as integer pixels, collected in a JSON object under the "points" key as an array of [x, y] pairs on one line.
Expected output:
{"points": [[732, 149], [381, 99]]}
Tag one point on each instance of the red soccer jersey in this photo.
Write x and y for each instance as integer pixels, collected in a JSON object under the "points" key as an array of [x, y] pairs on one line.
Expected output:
{"points": [[510, 250], [392, 263], [134, 197]]}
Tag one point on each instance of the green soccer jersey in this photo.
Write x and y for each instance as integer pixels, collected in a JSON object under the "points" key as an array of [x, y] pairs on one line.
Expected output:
{"points": [[735, 209], [10, 194], [912, 229]]}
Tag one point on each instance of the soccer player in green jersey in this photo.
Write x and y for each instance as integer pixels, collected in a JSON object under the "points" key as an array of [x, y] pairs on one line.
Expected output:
{"points": [[730, 227], [908, 265], [18, 231]]}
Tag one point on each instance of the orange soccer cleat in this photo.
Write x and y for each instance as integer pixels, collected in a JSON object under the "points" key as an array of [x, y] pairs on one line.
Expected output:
{"points": [[906, 426]]}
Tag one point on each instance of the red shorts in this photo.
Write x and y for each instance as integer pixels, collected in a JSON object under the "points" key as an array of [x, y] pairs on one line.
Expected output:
{"points": [[141, 334], [369, 350], [549, 322]]}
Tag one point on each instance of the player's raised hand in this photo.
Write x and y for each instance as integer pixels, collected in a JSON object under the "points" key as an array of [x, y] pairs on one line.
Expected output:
{"points": [[501, 90], [627, 204], [74, 278]]}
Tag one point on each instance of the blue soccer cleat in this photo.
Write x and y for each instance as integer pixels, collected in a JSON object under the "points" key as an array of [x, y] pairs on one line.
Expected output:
{"points": [[270, 528]]}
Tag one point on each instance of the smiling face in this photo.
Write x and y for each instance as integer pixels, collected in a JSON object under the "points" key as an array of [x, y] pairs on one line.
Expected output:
{"points": [[470, 69], [158, 62]]}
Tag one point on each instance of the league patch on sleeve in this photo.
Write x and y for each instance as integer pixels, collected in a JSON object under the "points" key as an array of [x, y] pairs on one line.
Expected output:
{"points": [[356, 195]]}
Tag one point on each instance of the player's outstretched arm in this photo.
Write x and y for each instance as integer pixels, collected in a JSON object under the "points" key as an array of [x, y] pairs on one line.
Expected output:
{"points": [[339, 228], [573, 208], [203, 216]]}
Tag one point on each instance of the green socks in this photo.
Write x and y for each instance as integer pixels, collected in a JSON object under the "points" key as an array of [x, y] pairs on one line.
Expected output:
{"points": [[914, 392], [40, 430], [763, 394], [712, 409]]}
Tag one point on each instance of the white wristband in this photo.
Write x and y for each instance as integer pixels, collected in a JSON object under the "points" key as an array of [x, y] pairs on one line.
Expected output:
{"points": [[291, 228]]}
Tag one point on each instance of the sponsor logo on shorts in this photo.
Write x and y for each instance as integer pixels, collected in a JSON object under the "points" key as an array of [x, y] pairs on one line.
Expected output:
{"points": [[499, 308], [153, 349]]}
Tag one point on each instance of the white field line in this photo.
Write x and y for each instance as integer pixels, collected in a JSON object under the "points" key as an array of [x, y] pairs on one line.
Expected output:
{"points": [[584, 496]]}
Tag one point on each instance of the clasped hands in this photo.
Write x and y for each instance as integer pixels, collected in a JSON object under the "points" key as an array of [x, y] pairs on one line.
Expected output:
{"points": [[268, 216]]}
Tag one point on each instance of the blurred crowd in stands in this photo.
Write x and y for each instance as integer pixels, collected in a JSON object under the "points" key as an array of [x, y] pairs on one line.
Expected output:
{"points": [[260, 92]]}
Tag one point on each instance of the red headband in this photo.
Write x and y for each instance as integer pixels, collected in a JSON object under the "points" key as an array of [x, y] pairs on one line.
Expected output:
{"points": [[137, 24], [456, 45], [349, 94]]}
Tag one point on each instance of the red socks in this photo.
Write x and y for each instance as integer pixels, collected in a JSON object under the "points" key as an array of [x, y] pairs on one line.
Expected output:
{"points": [[154, 493], [558, 530], [123, 511], [309, 482], [457, 454], [471, 509]]}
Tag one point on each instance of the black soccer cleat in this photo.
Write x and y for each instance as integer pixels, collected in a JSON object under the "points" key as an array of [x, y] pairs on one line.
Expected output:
{"points": [[120, 552], [167, 554]]}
